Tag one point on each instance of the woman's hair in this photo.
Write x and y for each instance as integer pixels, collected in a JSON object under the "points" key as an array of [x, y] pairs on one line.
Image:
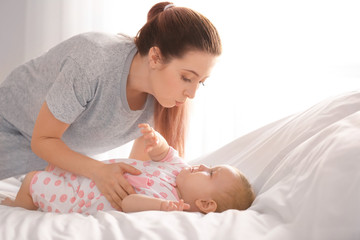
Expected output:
{"points": [[238, 195], [175, 31]]}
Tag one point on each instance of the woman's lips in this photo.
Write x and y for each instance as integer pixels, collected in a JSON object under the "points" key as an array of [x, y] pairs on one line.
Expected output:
{"points": [[178, 103]]}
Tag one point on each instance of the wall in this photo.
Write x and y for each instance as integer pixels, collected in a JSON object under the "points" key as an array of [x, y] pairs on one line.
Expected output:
{"points": [[279, 57], [12, 35]]}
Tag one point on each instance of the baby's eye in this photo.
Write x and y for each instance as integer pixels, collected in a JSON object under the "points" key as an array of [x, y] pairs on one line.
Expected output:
{"points": [[202, 83]]}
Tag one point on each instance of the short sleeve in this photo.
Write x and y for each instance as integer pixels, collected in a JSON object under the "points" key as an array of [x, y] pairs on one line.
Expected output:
{"points": [[68, 96], [172, 157]]}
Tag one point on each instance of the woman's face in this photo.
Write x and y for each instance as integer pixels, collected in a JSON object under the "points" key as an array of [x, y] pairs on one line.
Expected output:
{"points": [[176, 81]]}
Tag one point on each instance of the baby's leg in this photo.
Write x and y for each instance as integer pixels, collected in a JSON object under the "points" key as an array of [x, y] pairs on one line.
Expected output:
{"points": [[23, 198]]}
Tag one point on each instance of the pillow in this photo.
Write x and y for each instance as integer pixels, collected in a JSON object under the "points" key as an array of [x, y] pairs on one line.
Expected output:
{"points": [[258, 152], [305, 170]]}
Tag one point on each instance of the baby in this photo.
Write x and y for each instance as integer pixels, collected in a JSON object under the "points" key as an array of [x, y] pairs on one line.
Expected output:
{"points": [[166, 183]]}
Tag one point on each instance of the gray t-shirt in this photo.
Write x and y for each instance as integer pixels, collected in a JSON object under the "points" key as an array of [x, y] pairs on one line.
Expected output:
{"points": [[83, 80]]}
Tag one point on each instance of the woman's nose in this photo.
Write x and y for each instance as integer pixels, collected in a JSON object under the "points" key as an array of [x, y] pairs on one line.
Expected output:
{"points": [[190, 92]]}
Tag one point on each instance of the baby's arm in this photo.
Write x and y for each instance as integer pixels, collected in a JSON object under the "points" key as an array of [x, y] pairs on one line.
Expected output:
{"points": [[141, 202], [155, 144]]}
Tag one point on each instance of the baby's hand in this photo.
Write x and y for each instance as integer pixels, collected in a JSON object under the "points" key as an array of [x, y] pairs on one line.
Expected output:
{"points": [[150, 136], [155, 145], [174, 206]]}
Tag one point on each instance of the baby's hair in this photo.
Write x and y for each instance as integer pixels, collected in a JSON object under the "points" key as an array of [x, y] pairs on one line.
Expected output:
{"points": [[238, 195]]}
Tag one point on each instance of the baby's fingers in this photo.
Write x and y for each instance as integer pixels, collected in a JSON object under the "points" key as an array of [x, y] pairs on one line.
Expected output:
{"points": [[183, 206], [186, 206], [144, 127], [173, 206]]}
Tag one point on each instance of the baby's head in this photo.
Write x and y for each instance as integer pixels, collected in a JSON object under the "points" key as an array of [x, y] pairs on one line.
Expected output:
{"points": [[214, 189]]}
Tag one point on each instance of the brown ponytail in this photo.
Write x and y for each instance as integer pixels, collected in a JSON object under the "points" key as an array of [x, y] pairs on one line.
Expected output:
{"points": [[176, 31]]}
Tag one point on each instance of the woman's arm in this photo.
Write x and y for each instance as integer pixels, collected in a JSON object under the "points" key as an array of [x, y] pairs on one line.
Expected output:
{"points": [[47, 144], [141, 202]]}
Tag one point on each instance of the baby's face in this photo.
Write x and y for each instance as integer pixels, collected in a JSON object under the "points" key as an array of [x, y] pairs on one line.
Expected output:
{"points": [[202, 181]]}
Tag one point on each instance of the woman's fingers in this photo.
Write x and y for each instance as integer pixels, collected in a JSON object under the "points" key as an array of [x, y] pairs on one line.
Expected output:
{"points": [[116, 195], [126, 168], [115, 201], [112, 183], [124, 188]]}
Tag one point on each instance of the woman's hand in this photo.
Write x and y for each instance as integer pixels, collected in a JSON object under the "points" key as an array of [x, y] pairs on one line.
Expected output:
{"points": [[110, 180], [174, 206]]}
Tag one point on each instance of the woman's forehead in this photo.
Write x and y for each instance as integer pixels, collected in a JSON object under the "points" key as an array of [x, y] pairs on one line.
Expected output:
{"points": [[198, 63]]}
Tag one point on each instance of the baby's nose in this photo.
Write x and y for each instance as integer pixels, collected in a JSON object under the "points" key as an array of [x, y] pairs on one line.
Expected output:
{"points": [[203, 167]]}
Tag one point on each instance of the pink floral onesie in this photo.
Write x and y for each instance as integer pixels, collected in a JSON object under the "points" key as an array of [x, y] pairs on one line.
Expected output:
{"points": [[60, 191]]}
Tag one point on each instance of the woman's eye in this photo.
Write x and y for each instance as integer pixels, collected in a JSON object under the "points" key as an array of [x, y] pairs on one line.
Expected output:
{"points": [[185, 79]]}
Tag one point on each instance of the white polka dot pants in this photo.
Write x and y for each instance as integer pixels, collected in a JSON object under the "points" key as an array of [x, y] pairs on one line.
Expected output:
{"points": [[59, 191]]}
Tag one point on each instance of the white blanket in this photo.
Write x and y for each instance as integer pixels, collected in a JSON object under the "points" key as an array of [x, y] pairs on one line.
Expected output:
{"points": [[305, 170]]}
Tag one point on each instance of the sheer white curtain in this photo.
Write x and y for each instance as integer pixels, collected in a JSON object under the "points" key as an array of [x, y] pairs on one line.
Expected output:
{"points": [[279, 56]]}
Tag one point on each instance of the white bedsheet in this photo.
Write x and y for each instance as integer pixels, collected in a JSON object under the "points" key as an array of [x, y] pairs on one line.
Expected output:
{"points": [[305, 170]]}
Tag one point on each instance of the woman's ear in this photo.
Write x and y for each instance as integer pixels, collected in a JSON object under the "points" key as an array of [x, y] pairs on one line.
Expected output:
{"points": [[154, 57], [206, 205]]}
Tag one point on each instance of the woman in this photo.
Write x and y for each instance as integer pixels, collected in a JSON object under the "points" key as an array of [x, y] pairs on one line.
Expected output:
{"points": [[88, 94]]}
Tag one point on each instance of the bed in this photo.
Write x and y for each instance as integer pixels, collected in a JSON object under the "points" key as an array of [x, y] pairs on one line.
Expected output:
{"points": [[305, 170]]}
